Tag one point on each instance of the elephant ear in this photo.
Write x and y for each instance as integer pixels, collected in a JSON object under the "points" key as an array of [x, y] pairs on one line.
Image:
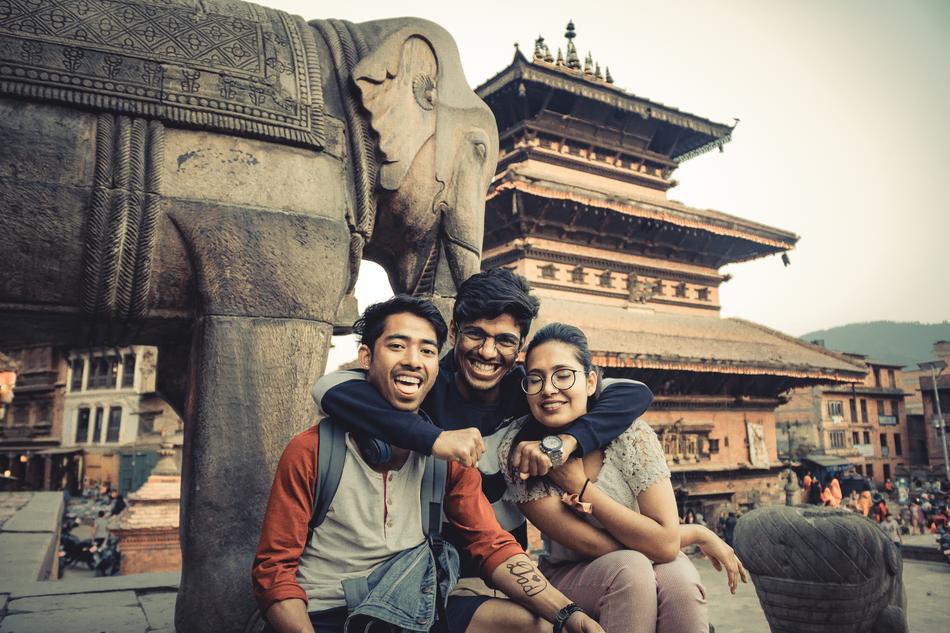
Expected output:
{"points": [[398, 83]]}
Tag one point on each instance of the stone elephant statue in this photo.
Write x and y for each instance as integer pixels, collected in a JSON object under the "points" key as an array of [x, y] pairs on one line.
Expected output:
{"points": [[822, 570], [206, 177]]}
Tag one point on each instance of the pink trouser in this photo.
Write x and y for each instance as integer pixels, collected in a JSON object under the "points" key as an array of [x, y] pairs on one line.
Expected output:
{"points": [[626, 593]]}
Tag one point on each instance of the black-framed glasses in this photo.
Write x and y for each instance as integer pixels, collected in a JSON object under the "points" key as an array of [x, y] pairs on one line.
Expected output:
{"points": [[505, 343], [562, 379]]}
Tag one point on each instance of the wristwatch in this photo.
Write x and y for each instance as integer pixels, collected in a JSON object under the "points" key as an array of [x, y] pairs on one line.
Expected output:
{"points": [[561, 618], [552, 446]]}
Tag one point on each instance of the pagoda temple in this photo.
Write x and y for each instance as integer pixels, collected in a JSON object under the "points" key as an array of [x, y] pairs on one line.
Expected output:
{"points": [[579, 206]]}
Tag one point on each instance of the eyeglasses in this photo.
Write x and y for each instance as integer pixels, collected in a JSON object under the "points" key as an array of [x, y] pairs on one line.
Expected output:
{"points": [[505, 343], [562, 379]]}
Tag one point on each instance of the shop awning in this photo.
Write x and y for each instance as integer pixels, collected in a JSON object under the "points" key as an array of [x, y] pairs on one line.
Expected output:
{"points": [[826, 461]]}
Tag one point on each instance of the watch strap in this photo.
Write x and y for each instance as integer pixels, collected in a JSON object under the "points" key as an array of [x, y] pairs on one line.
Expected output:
{"points": [[561, 618]]}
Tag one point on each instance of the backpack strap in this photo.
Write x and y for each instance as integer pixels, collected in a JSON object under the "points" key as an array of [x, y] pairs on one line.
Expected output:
{"points": [[331, 454], [432, 491]]}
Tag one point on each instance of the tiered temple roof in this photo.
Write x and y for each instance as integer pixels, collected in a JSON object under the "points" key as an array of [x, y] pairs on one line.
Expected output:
{"points": [[579, 203]]}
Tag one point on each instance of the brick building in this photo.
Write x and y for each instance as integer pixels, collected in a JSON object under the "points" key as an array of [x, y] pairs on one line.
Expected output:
{"points": [[31, 426], [579, 206], [930, 428], [864, 424]]}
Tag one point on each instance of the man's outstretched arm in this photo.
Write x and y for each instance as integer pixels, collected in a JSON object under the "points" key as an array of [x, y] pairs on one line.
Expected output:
{"points": [[350, 400], [502, 561]]}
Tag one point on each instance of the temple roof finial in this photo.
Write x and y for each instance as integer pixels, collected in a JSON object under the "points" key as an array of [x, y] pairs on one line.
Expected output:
{"points": [[607, 77], [560, 57], [597, 72], [588, 64], [570, 34], [539, 48]]}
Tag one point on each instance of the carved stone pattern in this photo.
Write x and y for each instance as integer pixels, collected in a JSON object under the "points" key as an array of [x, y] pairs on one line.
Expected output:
{"points": [[225, 65], [822, 570], [120, 231]]}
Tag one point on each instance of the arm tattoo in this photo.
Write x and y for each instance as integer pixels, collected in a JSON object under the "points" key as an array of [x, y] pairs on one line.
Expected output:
{"points": [[530, 579]]}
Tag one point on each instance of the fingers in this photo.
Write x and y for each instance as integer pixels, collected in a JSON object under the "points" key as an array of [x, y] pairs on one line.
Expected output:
{"points": [[517, 454], [742, 572], [715, 563], [731, 578]]}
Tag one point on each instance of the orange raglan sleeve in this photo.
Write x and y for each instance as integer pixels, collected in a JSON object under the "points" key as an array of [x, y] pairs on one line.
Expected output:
{"points": [[470, 512], [284, 531]]}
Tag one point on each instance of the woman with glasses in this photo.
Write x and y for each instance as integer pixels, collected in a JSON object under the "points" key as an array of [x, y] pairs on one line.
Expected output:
{"points": [[611, 529]]}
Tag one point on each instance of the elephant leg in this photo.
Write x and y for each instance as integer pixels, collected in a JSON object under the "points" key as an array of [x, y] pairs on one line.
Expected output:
{"points": [[248, 394]]}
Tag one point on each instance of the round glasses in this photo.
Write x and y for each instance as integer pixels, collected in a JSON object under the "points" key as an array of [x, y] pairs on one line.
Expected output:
{"points": [[504, 343], [562, 379]]}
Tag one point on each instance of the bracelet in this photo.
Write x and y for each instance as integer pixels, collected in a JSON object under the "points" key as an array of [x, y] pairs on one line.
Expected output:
{"points": [[580, 495], [562, 616]]}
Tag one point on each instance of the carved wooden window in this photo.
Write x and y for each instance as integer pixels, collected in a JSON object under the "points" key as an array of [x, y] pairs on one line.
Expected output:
{"points": [[658, 287], [548, 272], [854, 410], [702, 294], [855, 438], [864, 410], [606, 279], [867, 437], [82, 426], [894, 408], [713, 445], [837, 439], [680, 289], [78, 366], [97, 426], [115, 424], [836, 408], [128, 370], [898, 449], [578, 274], [21, 415]]}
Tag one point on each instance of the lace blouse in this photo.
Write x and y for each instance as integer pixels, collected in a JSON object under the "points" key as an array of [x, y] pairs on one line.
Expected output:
{"points": [[632, 463]]}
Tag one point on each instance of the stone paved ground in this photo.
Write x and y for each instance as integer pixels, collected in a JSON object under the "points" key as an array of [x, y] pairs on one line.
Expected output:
{"points": [[928, 600], [10, 502], [146, 603]]}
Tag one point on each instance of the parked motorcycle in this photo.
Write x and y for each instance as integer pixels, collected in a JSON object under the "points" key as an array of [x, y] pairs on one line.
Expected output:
{"points": [[108, 557], [74, 550], [943, 544]]}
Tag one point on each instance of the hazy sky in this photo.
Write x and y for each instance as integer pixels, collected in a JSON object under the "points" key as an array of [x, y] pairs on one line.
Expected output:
{"points": [[843, 137]]}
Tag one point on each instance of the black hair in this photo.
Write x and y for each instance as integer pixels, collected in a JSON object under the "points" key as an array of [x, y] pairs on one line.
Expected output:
{"points": [[567, 334], [493, 292], [370, 326]]}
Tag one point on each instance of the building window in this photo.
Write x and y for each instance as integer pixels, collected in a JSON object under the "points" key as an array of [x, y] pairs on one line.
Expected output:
{"points": [[128, 370], [21, 415], [898, 449], [867, 437], [548, 272], [658, 287], [78, 366], [885, 449], [880, 407], [869, 470], [891, 382], [887, 471], [578, 274], [97, 427], [855, 438], [894, 408], [836, 408], [713, 445], [702, 294], [860, 469], [864, 410], [82, 426], [680, 289], [837, 439], [854, 411], [877, 377], [115, 423], [606, 279]]}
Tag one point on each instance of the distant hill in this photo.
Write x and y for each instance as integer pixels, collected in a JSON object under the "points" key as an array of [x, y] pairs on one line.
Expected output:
{"points": [[890, 341]]}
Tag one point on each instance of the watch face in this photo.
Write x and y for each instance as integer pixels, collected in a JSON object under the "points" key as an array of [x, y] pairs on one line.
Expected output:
{"points": [[551, 443]]}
